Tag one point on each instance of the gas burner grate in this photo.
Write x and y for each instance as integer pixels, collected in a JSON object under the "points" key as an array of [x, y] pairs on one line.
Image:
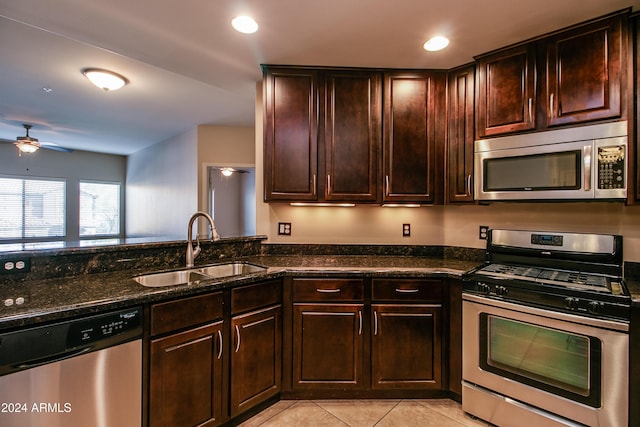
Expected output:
{"points": [[544, 275]]}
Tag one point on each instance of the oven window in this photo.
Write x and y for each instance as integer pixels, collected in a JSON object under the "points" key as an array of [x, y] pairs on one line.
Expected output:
{"points": [[560, 362], [552, 171]]}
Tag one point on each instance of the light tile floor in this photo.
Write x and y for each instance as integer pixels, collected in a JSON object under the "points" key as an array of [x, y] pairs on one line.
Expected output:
{"points": [[364, 413]]}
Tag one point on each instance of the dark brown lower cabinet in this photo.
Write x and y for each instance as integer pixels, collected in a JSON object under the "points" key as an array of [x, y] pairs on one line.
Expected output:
{"points": [[256, 358], [186, 378], [405, 347], [328, 346]]}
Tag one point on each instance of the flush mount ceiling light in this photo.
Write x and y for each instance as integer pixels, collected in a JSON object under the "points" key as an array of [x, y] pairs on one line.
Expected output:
{"points": [[245, 24], [436, 43], [105, 79]]}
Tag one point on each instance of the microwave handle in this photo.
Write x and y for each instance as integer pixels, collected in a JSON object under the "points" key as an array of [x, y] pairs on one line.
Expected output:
{"points": [[586, 159]]}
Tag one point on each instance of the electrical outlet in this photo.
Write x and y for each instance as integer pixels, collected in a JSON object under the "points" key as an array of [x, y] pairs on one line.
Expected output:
{"points": [[483, 231], [15, 265], [406, 230], [284, 228]]}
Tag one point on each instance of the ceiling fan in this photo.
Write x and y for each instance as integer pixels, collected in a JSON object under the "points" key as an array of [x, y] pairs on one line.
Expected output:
{"points": [[28, 144]]}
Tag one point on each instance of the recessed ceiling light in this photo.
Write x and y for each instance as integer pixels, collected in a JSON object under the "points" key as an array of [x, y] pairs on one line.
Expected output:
{"points": [[104, 79], [245, 24], [436, 43]]}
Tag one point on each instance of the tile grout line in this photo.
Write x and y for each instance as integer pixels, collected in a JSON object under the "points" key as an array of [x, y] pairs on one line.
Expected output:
{"points": [[388, 412]]}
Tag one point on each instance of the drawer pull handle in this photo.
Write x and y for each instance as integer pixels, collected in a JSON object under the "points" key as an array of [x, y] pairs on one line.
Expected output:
{"points": [[407, 291], [238, 338], [220, 348], [328, 291]]}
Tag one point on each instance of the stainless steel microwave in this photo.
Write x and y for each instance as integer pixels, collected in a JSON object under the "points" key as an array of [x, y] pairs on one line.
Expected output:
{"points": [[580, 163]]}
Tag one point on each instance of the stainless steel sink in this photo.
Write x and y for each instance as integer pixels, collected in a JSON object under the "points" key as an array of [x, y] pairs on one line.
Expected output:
{"points": [[170, 278], [230, 269], [195, 275]]}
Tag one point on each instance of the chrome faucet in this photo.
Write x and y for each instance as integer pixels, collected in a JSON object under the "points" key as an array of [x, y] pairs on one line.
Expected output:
{"points": [[192, 252]]}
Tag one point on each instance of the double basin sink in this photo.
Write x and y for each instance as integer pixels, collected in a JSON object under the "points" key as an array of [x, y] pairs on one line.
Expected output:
{"points": [[195, 275]]}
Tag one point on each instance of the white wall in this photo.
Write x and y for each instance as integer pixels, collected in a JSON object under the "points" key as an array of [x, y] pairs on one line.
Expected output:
{"points": [[74, 167], [162, 188], [436, 225]]}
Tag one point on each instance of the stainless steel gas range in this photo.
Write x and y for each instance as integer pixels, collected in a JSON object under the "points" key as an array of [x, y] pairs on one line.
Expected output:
{"points": [[546, 331]]}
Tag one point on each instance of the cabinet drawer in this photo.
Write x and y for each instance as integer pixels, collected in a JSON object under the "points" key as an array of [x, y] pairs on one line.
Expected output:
{"points": [[328, 289], [252, 297], [178, 314], [406, 290]]}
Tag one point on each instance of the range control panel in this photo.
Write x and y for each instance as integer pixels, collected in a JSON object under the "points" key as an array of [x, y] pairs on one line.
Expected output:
{"points": [[611, 163]]}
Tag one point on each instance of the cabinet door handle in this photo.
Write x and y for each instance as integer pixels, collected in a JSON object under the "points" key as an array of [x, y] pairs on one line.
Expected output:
{"points": [[386, 185], [237, 338], [328, 291], [360, 327], [530, 110], [407, 291], [328, 184], [375, 323], [315, 185], [220, 344], [552, 113], [469, 185]]}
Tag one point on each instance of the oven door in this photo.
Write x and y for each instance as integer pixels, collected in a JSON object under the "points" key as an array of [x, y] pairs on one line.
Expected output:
{"points": [[571, 366]]}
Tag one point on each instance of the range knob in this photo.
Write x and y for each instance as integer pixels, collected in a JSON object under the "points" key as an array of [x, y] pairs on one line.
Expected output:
{"points": [[501, 291], [595, 307], [484, 288], [571, 303]]}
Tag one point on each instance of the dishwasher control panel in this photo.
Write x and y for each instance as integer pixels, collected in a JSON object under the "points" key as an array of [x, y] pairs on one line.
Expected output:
{"points": [[97, 328]]}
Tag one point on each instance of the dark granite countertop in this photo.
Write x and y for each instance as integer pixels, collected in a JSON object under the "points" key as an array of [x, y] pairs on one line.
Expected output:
{"points": [[83, 294]]}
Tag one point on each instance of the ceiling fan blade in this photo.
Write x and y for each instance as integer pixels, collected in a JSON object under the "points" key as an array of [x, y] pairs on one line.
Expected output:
{"points": [[10, 141], [55, 147]]}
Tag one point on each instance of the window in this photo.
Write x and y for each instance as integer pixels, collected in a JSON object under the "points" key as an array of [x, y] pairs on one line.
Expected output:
{"points": [[99, 209], [31, 208]]}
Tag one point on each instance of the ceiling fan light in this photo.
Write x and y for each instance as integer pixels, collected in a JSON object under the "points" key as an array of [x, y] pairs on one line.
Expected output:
{"points": [[104, 79], [27, 147], [227, 171]]}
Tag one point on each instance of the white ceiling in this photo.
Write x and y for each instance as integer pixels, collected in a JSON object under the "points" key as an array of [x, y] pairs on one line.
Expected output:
{"points": [[187, 66]]}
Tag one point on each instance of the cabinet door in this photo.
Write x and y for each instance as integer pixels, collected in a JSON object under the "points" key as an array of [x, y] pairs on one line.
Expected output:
{"points": [[406, 349], [290, 134], [460, 135], [507, 91], [352, 135], [328, 346], [584, 73], [413, 141], [256, 358], [186, 378]]}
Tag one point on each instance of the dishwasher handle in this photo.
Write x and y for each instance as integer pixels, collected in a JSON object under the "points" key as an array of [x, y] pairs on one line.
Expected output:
{"points": [[54, 358]]}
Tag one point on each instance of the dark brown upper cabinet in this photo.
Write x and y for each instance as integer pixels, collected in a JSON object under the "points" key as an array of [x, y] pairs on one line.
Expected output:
{"points": [[584, 73], [572, 76], [290, 134], [460, 135], [322, 134], [414, 132], [507, 91]]}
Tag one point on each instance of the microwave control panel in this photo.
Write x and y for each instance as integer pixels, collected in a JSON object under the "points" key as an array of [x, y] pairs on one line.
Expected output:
{"points": [[611, 165]]}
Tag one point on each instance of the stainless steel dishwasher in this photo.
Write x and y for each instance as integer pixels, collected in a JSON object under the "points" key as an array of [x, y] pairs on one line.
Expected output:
{"points": [[82, 372]]}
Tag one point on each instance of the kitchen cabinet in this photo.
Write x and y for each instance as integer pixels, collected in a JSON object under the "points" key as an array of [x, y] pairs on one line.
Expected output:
{"points": [[215, 356], [460, 135], [584, 73], [328, 338], [414, 132], [406, 348], [572, 76], [256, 356], [634, 135], [290, 134], [506, 96], [185, 384], [322, 134]]}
